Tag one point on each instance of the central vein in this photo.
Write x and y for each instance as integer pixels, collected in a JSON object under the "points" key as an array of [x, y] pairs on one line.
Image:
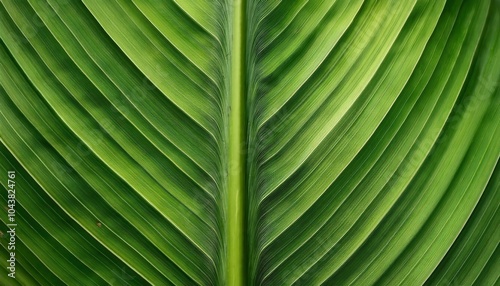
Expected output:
{"points": [[236, 266]]}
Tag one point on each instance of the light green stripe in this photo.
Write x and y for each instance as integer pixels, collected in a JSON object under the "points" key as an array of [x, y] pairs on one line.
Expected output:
{"points": [[236, 208]]}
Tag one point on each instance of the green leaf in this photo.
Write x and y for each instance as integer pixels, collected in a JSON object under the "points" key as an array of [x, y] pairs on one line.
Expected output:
{"points": [[233, 142]]}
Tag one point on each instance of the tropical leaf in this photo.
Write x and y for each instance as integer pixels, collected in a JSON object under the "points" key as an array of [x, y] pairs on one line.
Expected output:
{"points": [[250, 142]]}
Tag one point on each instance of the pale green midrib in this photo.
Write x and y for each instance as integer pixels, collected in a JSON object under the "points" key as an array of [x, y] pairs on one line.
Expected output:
{"points": [[236, 268]]}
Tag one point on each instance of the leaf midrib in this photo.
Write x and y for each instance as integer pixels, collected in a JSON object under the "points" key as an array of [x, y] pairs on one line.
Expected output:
{"points": [[237, 138]]}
